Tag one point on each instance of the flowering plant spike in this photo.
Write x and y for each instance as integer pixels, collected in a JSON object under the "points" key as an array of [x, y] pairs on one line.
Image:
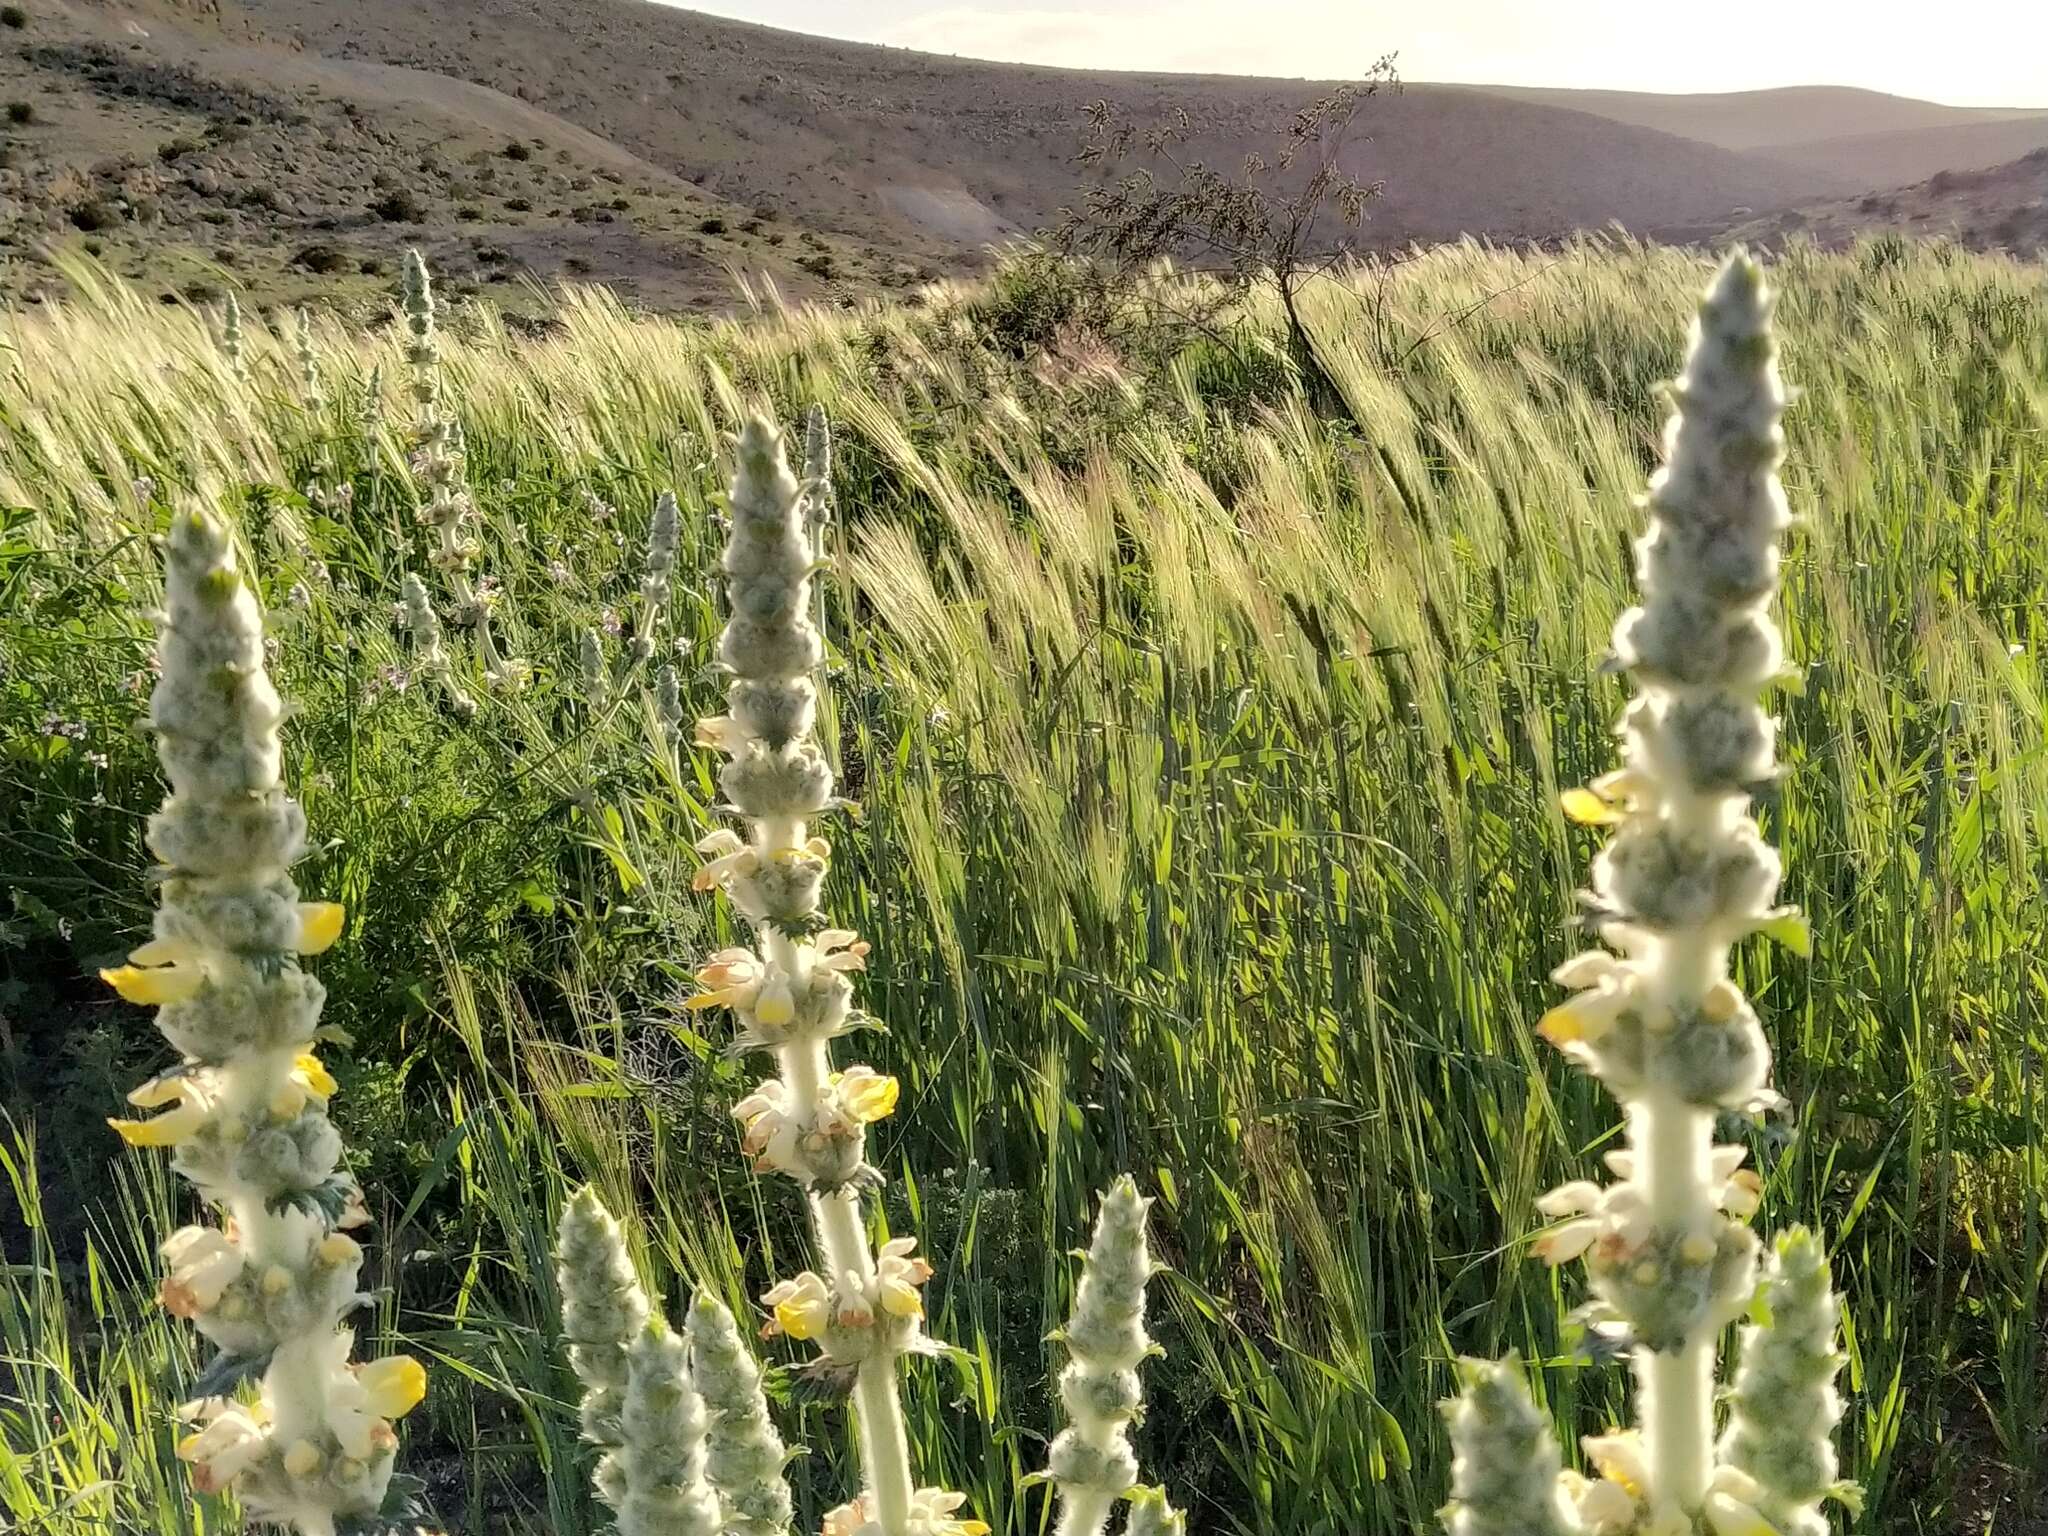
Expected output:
{"points": [[437, 461], [1686, 875], [745, 1457], [603, 1310], [245, 1110], [311, 393], [233, 344], [1091, 1462], [417, 612], [662, 538], [791, 993]]}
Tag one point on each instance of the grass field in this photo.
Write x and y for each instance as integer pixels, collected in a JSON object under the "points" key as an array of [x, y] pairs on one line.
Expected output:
{"points": [[1209, 757]]}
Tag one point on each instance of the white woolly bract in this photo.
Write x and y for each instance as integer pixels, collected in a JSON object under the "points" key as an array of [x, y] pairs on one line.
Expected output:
{"points": [[603, 1309], [1504, 1458], [1784, 1407], [655, 1481], [1091, 1460], [744, 1456]]}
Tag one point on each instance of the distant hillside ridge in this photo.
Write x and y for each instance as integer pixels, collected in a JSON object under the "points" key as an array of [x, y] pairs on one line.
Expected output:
{"points": [[2003, 207], [290, 147], [1770, 119], [869, 138]]}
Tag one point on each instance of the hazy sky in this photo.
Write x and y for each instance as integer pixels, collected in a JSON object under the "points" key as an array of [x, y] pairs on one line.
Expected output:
{"points": [[1970, 52]]}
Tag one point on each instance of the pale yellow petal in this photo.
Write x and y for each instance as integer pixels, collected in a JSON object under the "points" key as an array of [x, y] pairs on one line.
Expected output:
{"points": [[320, 924]]}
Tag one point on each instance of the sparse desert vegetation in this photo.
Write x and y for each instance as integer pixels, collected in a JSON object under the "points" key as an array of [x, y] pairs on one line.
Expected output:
{"points": [[1213, 756], [389, 124]]}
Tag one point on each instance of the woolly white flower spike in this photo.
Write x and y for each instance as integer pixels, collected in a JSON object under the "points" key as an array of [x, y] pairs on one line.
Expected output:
{"points": [[311, 393], [745, 1458], [370, 408], [1091, 1462], [246, 1112], [668, 704], [1685, 875], [1784, 1407], [655, 1481], [233, 346], [428, 653], [597, 677], [791, 989], [604, 1310], [663, 539], [1505, 1467], [437, 447], [437, 462]]}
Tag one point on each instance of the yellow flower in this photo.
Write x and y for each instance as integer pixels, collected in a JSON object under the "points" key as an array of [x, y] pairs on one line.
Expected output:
{"points": [[1563, 1243], [195, 1109], [776, 1005], [318, 1081], [1585, 1019], [153, 986], [1589, 968], [864, 1094], [320, 924], [730, 858], [307, 1079], [897, 1277], [801, 1307], [1619, 1458], [761, 1115], [203, 1264], [1730, 1508], [220, 1452], [1789, 927], [731, 978], [847, 1519], [1601, 1506], [163, 952], [854, 1309], [338, 1248], [1573, 1199], [722, 732], [841, 949], [1742, 1194], [1588, 809], [931, 1514], [392, 1386]]}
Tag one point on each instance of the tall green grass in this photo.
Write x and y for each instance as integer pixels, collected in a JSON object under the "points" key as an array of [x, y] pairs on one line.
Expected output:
{"points": [[1209, 756]]}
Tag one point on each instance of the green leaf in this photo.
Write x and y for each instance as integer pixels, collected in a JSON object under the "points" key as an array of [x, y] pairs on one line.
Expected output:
{"points": [[1789, 927], [225, 1372]]}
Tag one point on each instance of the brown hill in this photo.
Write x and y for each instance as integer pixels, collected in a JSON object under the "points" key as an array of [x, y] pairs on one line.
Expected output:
{"points": [[1905, 155], [195, 153], [1767, 120], [960, 150], [2004, 207], [277, 145]]}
